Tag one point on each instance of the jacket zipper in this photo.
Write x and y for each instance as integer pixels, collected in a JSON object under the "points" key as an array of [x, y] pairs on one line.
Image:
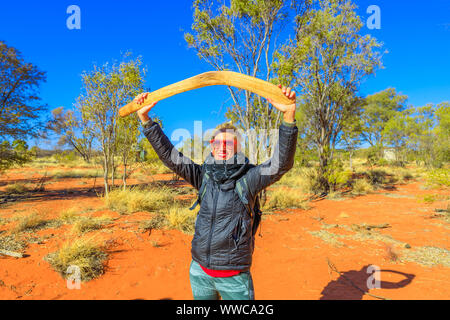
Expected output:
{"points": [[213, 218]]}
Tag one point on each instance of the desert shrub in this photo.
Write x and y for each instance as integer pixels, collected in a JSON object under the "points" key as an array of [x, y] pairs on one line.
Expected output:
{"points": [[429, 198], [361, 186], [182, 219], [86, 254], [438, 178], [398, 163], [294, 178], [398, 174], [86, 224], [69, 215], [377, 177], [373, 156], [155, 166], [312, 183], [382, 162], [335, 174], [281, 198], [139, 199], [16, 188], [157, 221], [65, 156], [30, 223]]}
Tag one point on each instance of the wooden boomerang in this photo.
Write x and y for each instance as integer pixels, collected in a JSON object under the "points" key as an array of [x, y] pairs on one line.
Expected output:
{"points": [[212, 78]]}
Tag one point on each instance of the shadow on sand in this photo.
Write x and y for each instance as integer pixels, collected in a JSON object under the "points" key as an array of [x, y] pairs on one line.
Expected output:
{"points": [[342, 288]]}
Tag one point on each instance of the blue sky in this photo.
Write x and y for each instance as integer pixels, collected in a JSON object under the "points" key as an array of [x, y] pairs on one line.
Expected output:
{"points": [[417, 36]]}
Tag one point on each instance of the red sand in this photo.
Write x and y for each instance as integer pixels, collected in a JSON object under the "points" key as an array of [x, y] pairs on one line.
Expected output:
{"points": [[289, 262]]}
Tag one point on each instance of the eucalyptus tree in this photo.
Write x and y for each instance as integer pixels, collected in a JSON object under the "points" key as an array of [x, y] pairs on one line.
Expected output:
{"points": [[328, 59], [243, 36], [105, 89]]}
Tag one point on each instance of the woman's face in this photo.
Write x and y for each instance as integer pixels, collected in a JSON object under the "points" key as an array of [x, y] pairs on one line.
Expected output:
{"points": [[224, 146]]}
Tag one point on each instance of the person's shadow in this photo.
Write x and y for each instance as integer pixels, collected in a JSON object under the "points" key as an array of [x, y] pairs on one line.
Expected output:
{"points": [[343, 288]]}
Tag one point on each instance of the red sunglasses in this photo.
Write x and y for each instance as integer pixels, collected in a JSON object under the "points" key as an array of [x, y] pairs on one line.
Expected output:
{"points": [[223, 143]]}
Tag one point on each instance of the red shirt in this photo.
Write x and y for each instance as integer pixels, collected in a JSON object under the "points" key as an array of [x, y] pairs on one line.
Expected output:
{"points": [[220, 273]]}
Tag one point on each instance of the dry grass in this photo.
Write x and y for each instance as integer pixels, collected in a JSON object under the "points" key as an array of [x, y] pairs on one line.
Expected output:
{"points": [[79, 173], [361, 187], [362, 232], [302, 178], [12, 242], [174, 217], [87, 224], [156, 167], [328, 237], [69, 215], [30, 222], [16, 188], [427, 256], [139, 199], [182, 219], [157, 221], [85, 253]]}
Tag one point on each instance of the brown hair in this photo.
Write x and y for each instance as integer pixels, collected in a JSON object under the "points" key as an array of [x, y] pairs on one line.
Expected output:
{"points": [[227, 127]]}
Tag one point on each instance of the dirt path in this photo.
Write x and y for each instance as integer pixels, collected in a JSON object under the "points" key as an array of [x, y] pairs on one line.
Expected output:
{"points": [[290, 259]]}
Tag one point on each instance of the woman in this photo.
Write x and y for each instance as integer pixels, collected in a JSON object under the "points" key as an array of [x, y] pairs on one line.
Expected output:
{"points": [[223, 242]]}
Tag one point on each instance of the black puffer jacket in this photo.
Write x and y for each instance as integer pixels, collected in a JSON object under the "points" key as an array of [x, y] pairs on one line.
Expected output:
{"points": [[223, 238]]}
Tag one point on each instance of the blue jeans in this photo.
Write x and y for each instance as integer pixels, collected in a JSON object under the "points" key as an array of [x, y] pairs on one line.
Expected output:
{"points": [[205, 287]]}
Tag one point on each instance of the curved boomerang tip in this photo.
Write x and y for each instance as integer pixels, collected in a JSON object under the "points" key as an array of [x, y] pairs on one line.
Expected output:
{"points": [[211, 78]]}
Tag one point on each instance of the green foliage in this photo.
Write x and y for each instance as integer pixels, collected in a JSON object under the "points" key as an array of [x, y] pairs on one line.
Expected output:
{"points": [[105, 90], [438, 177], [67, 125], [16, 153], [328, 60], [66, 156], [335, 174], [19, 104], [243, 36], [379, 109]]}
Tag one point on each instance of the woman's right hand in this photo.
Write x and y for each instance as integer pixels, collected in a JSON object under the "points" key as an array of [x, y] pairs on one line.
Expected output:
{"points": [[143, 112]]}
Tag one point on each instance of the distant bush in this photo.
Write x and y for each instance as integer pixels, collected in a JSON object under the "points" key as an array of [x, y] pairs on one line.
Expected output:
{"points": [[438, 177], [66, 156]]}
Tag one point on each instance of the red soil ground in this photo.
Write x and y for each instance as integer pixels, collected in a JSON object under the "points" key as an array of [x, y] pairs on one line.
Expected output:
{"points": [[289, 262]]}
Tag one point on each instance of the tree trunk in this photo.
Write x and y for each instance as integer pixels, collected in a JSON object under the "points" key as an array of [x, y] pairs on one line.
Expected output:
{"points": [[124, 177], [351, 154], [105, 173]]}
